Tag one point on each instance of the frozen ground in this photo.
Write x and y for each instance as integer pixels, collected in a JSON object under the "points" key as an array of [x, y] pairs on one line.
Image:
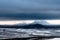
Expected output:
{"points": [[23, 33]]}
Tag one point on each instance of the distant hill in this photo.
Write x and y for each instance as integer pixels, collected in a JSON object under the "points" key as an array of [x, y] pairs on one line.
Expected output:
{"points": [[24, 26], [35, 24]]}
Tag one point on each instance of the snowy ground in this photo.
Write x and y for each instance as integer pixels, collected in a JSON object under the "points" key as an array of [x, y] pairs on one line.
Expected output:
{"points": [[19, 33]]}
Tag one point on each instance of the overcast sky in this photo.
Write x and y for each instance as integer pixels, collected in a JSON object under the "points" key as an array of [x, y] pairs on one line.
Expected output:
{"points": [[17, 6], [29, 3]]}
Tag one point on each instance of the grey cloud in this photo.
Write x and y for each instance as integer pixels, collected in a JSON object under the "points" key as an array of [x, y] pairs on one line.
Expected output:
{"points": [[17, 6], [27, 4]]}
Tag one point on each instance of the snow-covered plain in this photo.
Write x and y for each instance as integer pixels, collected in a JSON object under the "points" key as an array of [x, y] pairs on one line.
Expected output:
{"points": [[23, 33]]}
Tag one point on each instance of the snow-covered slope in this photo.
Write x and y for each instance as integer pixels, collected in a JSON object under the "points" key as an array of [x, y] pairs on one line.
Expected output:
{"points": [[41, 22]]}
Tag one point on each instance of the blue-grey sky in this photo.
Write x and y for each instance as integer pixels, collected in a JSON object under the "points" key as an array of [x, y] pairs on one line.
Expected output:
{"points": [[18, 5], [49, 7]]}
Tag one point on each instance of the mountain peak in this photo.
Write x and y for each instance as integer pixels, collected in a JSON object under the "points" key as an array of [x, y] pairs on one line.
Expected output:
{"points": [[41, 22]]}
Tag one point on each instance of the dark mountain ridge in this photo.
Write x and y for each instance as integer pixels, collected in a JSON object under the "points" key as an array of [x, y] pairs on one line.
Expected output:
{"points": [[30, 26]]}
